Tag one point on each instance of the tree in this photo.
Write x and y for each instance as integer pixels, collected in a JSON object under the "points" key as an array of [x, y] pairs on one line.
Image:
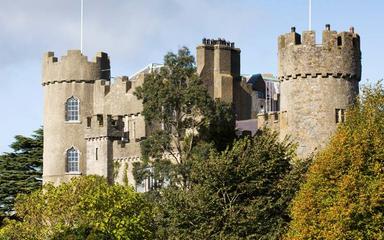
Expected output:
{"points": [[177, 107], [20, 170], [343, 195], [84, 208], [241, 193]]}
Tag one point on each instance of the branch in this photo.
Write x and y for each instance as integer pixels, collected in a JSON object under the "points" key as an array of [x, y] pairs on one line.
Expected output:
{"points": [[172, 154]]}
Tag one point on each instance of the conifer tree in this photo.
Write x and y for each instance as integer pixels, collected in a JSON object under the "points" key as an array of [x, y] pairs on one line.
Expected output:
{"points": [[20, 170]]}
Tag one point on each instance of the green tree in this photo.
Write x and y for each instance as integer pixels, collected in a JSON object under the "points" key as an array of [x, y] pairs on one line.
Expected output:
{"points": [[20, 170], [84, 208], [177, 107], [241, 193], [343, 197]]}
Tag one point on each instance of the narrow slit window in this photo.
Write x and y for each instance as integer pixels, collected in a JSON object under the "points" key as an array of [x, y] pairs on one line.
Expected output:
{"points": [[339, 41], [342, 115], [125, 137], [100, 120], [339, 115], [89, 121], [97, 153], [276, 117]]}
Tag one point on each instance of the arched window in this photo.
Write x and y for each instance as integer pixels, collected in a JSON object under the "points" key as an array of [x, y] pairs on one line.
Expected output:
{"points": [[72, 109], [72, 160]]}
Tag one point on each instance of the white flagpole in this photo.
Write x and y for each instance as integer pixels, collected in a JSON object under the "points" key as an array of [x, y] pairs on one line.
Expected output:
{"points": [[81, 25], [310, 15]]}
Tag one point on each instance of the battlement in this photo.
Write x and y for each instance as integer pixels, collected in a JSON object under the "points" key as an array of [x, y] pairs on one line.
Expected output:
{"points": [[75, 67], [102, 125], [121, 83], [339, 54], [270, 120], [330, 39]]}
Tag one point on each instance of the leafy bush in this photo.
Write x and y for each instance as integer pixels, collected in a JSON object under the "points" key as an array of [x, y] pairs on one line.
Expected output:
{"points": [[84, 208]]}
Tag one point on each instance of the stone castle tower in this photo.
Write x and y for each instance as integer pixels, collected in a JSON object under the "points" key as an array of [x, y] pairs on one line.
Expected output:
{"points": [[68, 88], [318, 83], [93, 124]]}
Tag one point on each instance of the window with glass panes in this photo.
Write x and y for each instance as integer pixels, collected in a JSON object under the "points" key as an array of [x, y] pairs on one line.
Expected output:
{"points": [[72, 109], [72, 160]]}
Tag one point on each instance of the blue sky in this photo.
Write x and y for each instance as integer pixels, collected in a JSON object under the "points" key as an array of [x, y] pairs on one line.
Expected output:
{"points": [[137, 32]]}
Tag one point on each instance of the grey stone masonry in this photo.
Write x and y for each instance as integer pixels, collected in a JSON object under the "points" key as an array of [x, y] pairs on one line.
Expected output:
{"points": [[318, 83]]}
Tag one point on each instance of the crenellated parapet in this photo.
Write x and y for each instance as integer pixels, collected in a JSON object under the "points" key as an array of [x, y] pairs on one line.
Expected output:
{"points": [[75, 67], [122, 84], [104, 126], [339, 55]]}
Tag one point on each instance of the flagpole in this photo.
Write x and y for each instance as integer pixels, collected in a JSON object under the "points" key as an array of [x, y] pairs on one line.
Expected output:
{"points": [[81, 25], [310, 15]]}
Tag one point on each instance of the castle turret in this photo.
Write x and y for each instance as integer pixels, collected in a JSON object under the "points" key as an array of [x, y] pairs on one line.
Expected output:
{"points": [[318, 84], [68, 100]]}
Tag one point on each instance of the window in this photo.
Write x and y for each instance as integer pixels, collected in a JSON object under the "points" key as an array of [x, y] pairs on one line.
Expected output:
{"points": [[72, 160], [149, 183], [133, 130], [125, 137], [72, 109], [260, 94], [97, 153], [261, 110], [100, 120], [276, 117], [339, 41], [89, 122], [340, 115]]}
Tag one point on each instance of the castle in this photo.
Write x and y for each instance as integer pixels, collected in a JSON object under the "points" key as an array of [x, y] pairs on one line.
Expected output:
{"points": [[93, 125]]}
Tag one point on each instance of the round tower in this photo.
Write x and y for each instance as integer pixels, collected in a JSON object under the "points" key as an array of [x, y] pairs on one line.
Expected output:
{"points": [[318, 84], [68, 101]]}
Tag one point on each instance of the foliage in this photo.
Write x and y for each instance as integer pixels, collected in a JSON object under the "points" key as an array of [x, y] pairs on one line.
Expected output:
{"points": [[84, 208], [241, 193], [177, 107], [343, 197], [220, 128], [20, 170]]}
